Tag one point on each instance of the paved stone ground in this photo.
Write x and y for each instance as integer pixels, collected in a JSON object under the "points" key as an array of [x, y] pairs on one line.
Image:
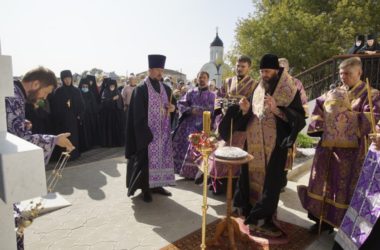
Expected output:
{"points": [[91, 156], [103, 217]]}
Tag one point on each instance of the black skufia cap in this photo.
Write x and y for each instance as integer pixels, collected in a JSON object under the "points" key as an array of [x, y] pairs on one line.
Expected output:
{"points": [[112, 82], [83, 81], [156, 61], [371, 37], [269, 61], [66, 73], [91, 78], [360, 38]]}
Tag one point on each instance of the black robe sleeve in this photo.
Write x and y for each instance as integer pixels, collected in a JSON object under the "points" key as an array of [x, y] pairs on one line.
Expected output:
{"points": [[239, 122], [138, 134], [79, 103], [287, 131]]}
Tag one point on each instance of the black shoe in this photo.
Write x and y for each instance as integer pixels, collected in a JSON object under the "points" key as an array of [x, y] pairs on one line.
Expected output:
{"points": [[161, 190], [147, 197], [314, 229], [268, 229]]}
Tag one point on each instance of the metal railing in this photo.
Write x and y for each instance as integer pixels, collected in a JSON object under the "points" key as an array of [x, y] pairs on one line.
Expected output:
{"points": [[318, 79]]}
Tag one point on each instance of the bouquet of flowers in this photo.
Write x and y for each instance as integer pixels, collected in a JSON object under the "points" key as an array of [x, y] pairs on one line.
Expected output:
{"points": [[23, 218], [200, 140]]}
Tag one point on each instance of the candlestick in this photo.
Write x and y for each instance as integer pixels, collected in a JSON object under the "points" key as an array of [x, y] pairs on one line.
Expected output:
{"points": [[205, 156], [206, 122], [231, 130], [372, 116]]}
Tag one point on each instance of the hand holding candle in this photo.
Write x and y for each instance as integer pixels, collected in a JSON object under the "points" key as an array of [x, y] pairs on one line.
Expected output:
{"points": [[170, 107], [244, 105]]}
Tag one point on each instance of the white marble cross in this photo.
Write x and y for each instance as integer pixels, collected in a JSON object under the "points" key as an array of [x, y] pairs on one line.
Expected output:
{"points": [[22, 169]]}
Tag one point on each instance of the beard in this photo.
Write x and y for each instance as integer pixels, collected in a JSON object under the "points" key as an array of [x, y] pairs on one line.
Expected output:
{"points": [[32, 96], [240, 75], [270, 84]]}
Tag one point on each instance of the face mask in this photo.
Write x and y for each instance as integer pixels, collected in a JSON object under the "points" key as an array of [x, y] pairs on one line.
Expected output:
{"points": [[84, 90]]}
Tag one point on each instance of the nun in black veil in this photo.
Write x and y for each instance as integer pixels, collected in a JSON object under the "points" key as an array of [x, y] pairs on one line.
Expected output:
{"points": [[89, 124], [93, 87], [111, 116]]}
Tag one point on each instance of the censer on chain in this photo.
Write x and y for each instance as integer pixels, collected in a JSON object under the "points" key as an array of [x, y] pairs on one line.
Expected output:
{"points": [[27, 216]]}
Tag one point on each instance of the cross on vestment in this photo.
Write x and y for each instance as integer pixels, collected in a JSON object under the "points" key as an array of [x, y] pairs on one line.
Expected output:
{"points": [[372, 160], [22, 168]]}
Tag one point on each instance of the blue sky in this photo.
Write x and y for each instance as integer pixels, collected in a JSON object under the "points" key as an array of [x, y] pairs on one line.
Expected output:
{"points": [[115, 35]]}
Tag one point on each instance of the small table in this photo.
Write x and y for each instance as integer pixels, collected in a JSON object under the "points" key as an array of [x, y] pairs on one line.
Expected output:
{"points": [[228, 223]]}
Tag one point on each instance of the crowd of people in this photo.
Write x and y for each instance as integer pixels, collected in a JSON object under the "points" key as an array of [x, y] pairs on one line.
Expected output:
{"points": [[263, 117], [93, 112], [267, 116]]}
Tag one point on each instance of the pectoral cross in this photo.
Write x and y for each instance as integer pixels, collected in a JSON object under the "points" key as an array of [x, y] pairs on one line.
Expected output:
{"points": [[372, 160]]}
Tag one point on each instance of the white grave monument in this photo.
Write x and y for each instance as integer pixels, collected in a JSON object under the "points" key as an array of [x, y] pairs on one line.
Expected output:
{"points": [[22, 169]]}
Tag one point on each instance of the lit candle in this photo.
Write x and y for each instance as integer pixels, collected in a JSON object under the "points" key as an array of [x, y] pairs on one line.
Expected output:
{"points": [[206, 122]]}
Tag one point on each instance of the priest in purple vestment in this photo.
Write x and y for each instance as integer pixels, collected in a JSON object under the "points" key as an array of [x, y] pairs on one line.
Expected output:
{"points": [[148, 136], [36, 85], [191, 107], [341, 118], [234, 88]]}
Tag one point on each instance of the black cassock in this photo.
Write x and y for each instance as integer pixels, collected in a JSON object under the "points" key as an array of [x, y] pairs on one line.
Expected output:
{"points": [[111, 119], [67, 108], [355, 49], [40, 119], [93, 87], [39, 116], [275, 170], [89, 124], [138, 137]]}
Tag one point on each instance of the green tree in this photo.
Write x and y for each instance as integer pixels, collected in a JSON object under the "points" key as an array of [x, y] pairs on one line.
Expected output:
{"points": [[227, 71], [306, 32]]}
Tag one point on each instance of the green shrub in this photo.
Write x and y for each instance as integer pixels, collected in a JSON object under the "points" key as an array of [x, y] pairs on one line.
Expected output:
{"points": [[305, 141]]}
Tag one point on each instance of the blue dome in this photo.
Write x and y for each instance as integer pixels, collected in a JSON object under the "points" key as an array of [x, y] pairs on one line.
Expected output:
{"points": [[217, 42]]}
